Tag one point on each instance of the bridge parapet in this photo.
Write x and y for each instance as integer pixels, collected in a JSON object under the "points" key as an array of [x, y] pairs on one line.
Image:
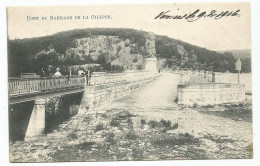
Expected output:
{"points": [[107, 78], [20, 86]]}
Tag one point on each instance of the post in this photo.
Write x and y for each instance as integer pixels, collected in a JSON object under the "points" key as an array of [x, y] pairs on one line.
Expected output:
{"points": [[89, 77], [86, 82], [70, 71], [238, 68], [213, 76], [238, 77]]}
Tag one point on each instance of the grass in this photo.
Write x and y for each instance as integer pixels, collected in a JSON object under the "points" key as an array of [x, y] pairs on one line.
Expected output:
{"points": [[218, 139], [154, 124], [167, 125], [236, 112], [172, 140], [122, 116]]}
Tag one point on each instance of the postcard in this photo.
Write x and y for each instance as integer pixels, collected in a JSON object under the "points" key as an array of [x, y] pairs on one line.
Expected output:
{"points": [[130, 82]]}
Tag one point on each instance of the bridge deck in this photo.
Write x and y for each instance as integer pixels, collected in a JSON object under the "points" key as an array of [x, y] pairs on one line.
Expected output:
{"points": [[21, 89], [32, 96]]}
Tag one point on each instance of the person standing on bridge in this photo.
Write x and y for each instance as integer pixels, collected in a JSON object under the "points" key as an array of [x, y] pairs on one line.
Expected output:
{"points": [[43, 72], [57, 74], [89, 73]]}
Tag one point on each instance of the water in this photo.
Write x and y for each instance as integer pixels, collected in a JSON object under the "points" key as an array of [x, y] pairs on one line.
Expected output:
{"points": [[245, 78]]}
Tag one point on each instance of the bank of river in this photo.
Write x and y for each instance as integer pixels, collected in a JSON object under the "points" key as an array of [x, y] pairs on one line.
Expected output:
{"points": [[146, 125]]}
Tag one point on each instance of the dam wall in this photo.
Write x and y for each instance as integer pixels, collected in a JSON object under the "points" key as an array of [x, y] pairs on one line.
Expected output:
{"points": [[210, 93]]}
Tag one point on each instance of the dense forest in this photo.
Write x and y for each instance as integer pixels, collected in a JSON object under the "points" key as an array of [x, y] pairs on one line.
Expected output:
{"points": [[22, 52]]}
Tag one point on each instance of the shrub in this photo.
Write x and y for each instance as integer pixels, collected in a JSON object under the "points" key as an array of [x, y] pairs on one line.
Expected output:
{"points": [[99, 127], [195, 105], [119, 48], [123, 115], [165, 123], [127, 44], [135, 60], [114, 122], [110, 137], [90, 51], [131, 135], [72, 136], [153, 124], [143, 121], [86, 145], [104, 116], [174, 126]]}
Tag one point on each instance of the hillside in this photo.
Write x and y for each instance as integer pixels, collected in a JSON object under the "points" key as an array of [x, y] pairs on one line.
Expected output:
{"points": [[242, 54], [115, 49]]}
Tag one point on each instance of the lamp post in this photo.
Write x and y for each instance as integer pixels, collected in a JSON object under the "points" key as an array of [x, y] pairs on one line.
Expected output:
{"points": [[238, 68]]}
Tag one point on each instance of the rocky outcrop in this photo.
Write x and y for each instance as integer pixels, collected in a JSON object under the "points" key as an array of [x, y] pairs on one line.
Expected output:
{"points": [[50, 51], [116, 51], [107, 49], [182, 51]]}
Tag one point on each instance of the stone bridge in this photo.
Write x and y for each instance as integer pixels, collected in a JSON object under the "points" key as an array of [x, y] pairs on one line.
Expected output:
{"points": [[36, 103]]}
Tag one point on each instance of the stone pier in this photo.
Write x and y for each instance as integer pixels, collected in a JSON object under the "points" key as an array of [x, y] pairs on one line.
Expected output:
{"points": [[36, 125]]}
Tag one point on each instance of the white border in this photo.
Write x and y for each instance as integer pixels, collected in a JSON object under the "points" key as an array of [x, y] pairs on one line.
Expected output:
{"points": [[255, 24]]}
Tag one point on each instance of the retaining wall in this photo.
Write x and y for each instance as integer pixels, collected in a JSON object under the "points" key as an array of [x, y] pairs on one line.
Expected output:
{"points": [[210, 93], [99, 95]]}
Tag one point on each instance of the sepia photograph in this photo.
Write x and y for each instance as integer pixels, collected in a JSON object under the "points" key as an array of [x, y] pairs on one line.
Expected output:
{"points": [[132, 82]]}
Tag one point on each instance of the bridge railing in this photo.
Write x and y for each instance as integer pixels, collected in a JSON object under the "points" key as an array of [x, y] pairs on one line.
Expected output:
{"points": [[107, 78], [21, 86], [18, 86]]}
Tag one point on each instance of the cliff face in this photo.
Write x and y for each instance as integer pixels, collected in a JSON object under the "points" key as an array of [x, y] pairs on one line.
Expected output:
{"points": [[113, 49], [95, 46]]}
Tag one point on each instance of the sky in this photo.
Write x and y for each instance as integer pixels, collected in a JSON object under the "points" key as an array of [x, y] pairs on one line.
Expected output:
{"points": [[227, 33]]}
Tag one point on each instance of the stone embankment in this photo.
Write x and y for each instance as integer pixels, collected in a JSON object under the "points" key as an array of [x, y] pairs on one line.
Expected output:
{"points": [[201, 90], [99, 95]]}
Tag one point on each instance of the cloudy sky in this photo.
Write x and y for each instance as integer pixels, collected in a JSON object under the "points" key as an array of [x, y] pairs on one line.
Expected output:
{"points": [[220, 34]]}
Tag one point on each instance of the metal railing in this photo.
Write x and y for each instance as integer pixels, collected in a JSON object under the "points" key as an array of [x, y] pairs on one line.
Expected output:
{"points": [[19, 86]]}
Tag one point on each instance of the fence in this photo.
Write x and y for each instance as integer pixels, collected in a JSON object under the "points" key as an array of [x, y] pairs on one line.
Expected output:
{"points": [[18, 86]]}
